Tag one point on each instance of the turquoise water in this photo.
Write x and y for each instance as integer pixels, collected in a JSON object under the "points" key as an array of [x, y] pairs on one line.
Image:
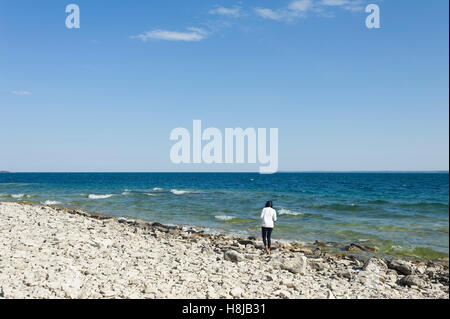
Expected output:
{"points": [[401, 213]]}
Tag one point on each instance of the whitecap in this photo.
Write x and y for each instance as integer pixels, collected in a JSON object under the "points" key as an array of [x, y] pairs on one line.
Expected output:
{"points": [[157, 189], [283, 211], [178, 192], [224, 217], [126, 191], [150, 194], [94, 196], [51, 202], [122, 219], [17, 195]]}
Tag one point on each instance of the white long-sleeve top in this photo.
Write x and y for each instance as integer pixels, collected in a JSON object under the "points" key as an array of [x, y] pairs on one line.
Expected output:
{"points": [[268, 217]]}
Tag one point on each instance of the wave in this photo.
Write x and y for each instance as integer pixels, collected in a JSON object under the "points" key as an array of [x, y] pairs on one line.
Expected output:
{"points": [[51, 202], [224, 217], [17, 196], [141, 191], [125, 219], [180, 192], [127, 192], [284, 211], [233, 219], [94, 196]]}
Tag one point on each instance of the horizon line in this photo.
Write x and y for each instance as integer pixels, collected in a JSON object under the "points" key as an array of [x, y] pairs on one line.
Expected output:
{"points": [[237, 172]]}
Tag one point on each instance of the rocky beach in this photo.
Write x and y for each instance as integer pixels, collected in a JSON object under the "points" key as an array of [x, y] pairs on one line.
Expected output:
{"points": [[54, 252]]}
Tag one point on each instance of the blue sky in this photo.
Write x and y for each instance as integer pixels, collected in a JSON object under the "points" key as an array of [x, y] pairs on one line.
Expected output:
{"points": [[105, 97]]}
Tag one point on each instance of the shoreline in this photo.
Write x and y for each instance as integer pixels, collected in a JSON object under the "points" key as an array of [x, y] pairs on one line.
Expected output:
{"points": [[355, 249], [153, 251]]}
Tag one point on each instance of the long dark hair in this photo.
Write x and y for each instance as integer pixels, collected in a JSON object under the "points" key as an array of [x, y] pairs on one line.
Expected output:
{"points": [[269, 204]]}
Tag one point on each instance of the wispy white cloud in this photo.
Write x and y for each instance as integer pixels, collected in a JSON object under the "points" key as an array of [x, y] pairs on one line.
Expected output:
{"points": [[195, 34], [295, 9], [292, 11], [300, 8], [335, 2], [21, 92], [350, 5], [300, 5], [235, 11], [192, 34], [269, 13]]}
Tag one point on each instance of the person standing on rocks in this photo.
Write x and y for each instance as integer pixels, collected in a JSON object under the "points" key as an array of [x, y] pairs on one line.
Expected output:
{"points": [[268, 217]]}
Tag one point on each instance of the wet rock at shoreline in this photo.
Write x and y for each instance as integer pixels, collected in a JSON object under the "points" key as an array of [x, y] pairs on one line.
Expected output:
{"points": [[356, 247], [320, 243]]}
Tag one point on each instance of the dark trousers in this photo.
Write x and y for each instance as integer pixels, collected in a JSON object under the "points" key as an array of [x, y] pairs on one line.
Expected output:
{"points": [[266, 234]]}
